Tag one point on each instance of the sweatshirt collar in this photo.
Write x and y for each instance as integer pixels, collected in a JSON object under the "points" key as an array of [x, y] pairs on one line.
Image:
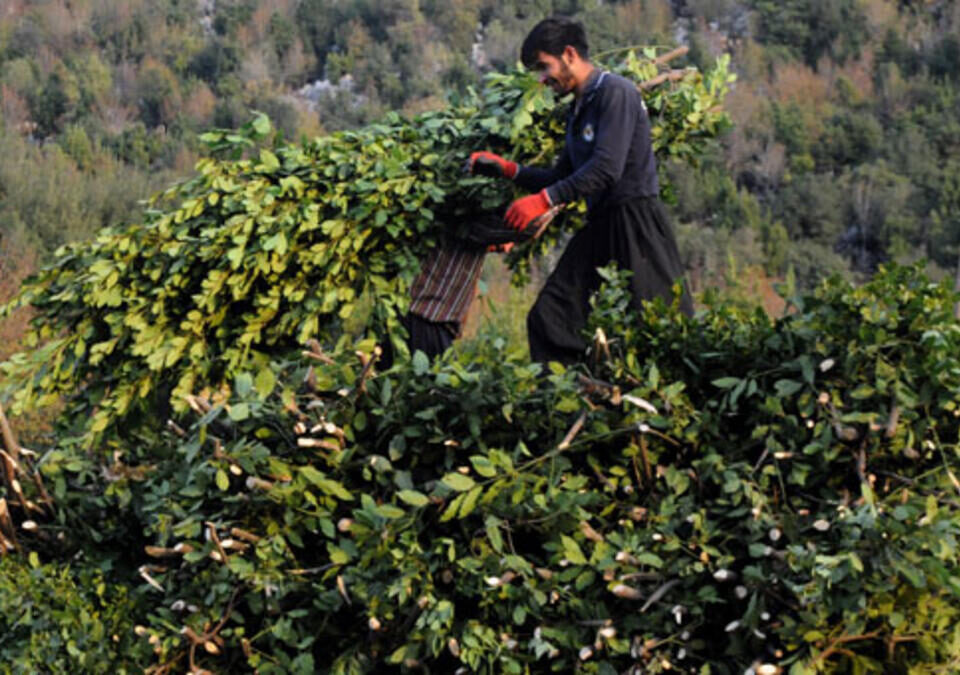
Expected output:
{"points": [[594, 80]]}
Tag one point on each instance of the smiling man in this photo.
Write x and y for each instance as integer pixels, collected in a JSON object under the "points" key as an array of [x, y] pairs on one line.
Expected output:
{"points": [[607, 160]]}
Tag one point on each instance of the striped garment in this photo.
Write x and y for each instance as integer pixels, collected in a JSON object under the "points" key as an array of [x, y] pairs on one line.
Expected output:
{"points": [[447, 283]]}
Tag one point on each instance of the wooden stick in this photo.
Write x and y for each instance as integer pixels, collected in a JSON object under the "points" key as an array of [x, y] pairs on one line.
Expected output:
{"points": [[659, 593], [244, 534], [671, 55], [210, 635], [892, 422], [834, 646], [45, 497], [636, 473], [367, 366], [574, 430], [14, 464], [175, 428], [316, 352], [9, 439], [670, 76], [6, 525], [10, 472], [212, 529], [312, 570], [646, 459]]}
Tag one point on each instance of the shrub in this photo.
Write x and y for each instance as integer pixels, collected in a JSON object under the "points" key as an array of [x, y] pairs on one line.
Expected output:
{"points": [[59, 619], [714, 494]]}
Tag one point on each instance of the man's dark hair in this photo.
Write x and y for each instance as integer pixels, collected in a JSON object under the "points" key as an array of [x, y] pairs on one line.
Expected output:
{"points": [[551, 36]]}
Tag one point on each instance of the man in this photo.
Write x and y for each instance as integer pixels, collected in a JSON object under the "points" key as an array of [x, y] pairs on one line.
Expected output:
{"points": [[443, 291], [608, 160]]}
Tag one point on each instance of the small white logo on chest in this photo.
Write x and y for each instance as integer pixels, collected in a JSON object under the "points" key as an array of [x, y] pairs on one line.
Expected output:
{"points": [[588, 133]]}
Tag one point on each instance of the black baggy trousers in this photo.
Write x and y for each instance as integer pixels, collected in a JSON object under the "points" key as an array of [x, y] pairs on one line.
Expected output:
{"points": [[636, 235], [431, 337]]}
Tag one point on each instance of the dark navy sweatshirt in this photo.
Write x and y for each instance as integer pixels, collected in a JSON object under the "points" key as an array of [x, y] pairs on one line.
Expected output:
{"points": [[608, 155]]}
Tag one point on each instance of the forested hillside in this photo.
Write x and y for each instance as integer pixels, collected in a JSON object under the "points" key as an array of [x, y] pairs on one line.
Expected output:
{"points": [[847, 117]]}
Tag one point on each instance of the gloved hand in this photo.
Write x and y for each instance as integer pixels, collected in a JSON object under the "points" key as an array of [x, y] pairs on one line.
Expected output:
{"points": [[485, 163], [505, 247], [524, 210]]}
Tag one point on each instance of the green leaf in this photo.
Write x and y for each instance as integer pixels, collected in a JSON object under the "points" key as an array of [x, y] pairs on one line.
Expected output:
{"points": [[421, 363], [390, 511], [726, 382], [223, 481], [458, 482], [360, 421], [492, 526], [451, 511], [261, 125], [571, 551], [470, 501], [413, 498], [932, 508], [338, 556], [483, 466], [235, 256], [678, 481], [243, 383], [398, 655], [269, 161], [276, 243], [331, 487], [651, 559], [265, 383], [787, 387]]}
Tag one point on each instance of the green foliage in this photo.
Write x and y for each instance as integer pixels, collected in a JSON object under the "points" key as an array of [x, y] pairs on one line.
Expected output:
{"points": [[57, 619], [790, 499], [256, 255], [720, 492], [849, 138], [813, 29], [60, 193]]}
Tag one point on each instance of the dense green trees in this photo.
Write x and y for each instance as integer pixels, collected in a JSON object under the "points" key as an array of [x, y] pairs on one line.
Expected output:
{"points": [[836, 86], [843, 131]]}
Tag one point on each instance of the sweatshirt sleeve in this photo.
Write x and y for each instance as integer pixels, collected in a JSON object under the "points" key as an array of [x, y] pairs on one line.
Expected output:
{"points": [[535, 178], [616, 122]]}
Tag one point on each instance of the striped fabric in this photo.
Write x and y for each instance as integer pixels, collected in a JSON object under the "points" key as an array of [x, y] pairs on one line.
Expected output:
{"points": [[447, 283]]}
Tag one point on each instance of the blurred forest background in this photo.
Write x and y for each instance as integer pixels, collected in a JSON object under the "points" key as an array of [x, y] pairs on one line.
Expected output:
{"points": [[845, 150]]}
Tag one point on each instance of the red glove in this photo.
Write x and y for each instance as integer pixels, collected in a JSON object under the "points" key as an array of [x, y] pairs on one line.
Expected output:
{"points": [[488, 164], [524, 210]]}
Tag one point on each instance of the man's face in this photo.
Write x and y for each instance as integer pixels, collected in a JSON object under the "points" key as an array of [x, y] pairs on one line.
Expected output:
{"points": [[554, 71]]}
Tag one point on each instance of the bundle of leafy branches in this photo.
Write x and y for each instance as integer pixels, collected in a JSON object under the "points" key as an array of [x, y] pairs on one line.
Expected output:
{"points": [[256, 255]]}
